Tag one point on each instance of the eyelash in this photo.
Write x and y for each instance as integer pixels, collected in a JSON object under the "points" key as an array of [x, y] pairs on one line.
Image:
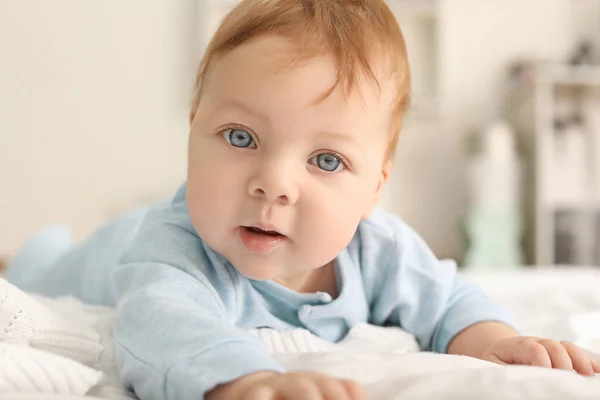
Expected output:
{"points": [[347, 164], [240, 127]]}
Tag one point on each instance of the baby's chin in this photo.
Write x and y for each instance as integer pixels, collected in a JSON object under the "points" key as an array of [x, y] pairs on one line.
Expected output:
{"points": [[265, 272]]}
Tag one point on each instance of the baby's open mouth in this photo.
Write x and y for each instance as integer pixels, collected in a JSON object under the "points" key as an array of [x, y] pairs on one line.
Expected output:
{"points": [[261, 240], [262, 232]]}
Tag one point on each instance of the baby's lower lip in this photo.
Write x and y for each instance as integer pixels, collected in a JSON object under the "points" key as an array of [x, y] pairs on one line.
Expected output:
{"points": [[260, 242]]}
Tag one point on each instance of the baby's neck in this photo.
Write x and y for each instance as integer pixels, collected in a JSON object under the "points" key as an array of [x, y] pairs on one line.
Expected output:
{"points": [[317, 280]]}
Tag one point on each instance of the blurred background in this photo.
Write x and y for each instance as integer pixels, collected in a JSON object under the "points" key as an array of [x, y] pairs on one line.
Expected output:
{"points": [[498, 165]]}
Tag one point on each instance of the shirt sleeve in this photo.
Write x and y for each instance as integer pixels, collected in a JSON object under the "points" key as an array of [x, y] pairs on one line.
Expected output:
{"points": [[425, 296], [174, 338]]}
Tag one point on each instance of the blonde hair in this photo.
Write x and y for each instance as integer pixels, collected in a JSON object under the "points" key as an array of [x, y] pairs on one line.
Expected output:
{"points": [[355, 31]]}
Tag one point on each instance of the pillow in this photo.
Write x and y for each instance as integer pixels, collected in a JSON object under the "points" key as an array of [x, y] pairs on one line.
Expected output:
{"points": [[28, 370]]}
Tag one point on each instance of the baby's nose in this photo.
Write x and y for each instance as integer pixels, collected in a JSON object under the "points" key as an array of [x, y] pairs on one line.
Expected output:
{"points": [[274, 185]]}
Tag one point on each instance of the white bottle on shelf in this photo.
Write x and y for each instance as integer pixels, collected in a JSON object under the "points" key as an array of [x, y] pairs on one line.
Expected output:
{"points": [[591, 120], [571, 181]]}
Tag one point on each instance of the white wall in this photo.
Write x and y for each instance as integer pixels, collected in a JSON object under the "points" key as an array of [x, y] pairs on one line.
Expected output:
{"points": [[93, 108]]}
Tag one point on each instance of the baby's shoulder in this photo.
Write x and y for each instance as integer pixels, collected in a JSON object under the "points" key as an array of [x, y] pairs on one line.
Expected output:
{"points": [[383, 228], [383, 236]]}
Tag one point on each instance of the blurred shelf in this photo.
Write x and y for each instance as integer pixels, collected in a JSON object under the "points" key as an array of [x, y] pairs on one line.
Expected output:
{"points": [[550, 224], [581, 205], [586, 75]]}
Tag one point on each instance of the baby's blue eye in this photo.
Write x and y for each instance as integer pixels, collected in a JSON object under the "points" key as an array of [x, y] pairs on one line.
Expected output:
{"points": [[239, 138], [328, 162]]}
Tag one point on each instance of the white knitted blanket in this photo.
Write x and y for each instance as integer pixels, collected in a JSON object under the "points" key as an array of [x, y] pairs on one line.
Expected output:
{"points": [[24, 321], [41, 351]]}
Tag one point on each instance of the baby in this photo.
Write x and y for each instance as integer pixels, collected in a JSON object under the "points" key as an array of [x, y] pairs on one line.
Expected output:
{"points": [[295, 120]]}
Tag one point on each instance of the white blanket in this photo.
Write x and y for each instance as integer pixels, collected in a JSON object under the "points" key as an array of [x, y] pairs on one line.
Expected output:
{"points": [[384, 360]]}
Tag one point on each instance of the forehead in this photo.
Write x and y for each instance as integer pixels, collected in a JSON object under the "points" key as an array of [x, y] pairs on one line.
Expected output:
{"points": [[269, 65]]}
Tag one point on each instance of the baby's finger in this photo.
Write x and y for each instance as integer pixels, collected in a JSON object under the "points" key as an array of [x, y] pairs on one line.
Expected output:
{"points": [[558, 354], [581, 361], [495, 359], [355, 391], [260, 393], [596, 366], [299, 388], [333, 389], [533, 353]]}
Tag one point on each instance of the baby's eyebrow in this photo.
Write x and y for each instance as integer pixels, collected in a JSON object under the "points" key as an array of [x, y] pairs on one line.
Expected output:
{"points": [[234, 103], [339, 136]]}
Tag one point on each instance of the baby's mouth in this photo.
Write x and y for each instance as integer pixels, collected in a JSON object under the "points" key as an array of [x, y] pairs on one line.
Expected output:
{"points": [[254, 229], [259, 240]]}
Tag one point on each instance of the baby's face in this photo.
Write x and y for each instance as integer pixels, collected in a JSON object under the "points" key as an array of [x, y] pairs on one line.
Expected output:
{"points": [[279, 179]]}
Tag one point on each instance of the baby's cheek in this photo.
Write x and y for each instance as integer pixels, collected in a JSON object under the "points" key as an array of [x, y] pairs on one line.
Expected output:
{"points": [[342, 219], [361, 201]]}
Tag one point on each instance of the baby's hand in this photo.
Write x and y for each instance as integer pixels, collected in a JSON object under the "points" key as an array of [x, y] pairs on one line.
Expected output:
{"points": [[290, 386], [543, 353]]}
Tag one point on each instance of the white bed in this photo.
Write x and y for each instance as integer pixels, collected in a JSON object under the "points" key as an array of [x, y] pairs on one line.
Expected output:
{"points": [[563, 303]]}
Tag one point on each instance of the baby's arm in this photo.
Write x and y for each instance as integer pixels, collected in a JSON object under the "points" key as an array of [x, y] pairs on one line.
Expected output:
{"points": [[476, 339], [409, 287], [172, 338], [416, 291]]}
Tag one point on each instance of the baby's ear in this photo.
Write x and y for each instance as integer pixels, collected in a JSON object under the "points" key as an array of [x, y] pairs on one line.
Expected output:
{"points": [[383, 178]]}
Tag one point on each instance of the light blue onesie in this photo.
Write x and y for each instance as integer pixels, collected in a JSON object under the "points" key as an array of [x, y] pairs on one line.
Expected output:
{"points": [[183, 310]]}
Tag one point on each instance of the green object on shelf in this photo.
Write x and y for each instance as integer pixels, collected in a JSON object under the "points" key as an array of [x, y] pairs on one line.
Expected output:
{"points": [[495, 240]]}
